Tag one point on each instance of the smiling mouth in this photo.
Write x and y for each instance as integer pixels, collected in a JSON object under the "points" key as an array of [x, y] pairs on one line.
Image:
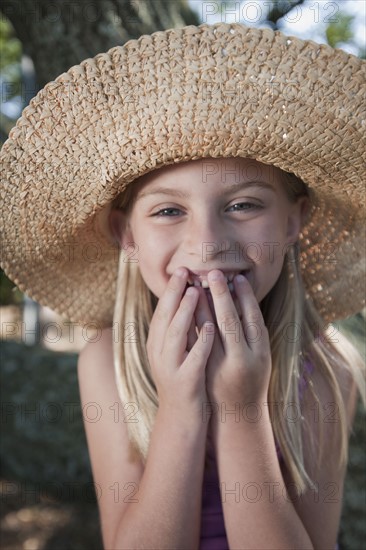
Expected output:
{"points": [[203, 283]]}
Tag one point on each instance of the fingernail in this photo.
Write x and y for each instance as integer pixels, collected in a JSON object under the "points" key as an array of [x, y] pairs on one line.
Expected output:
{"points": [[214, 276], [180, 272], [239, 278], [209, 327], [190, 291]]}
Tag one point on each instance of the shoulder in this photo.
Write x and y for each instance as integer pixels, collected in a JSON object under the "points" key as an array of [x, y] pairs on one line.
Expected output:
{"points": [[116, 474], [97, 353], [96, 373], [96, 369]]}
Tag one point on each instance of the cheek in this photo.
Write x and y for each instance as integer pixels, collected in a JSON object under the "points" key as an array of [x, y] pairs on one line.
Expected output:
{"points": [[264, 244], [143, 242], [152, 256]]}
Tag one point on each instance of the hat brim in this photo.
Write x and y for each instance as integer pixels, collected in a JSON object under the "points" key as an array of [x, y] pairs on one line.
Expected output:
{"points": [[177, 95]]}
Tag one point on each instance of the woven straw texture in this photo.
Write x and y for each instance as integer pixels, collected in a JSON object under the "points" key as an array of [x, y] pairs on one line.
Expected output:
{"points": [[208, 91]]}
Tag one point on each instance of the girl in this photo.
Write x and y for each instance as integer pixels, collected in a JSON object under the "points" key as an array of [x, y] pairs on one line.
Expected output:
{"points": [[227, 396]]}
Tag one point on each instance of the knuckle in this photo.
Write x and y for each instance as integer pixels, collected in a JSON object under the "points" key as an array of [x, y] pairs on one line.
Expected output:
{"points": [[174, 330], [256, 318], [252, 331], [228, 319]]}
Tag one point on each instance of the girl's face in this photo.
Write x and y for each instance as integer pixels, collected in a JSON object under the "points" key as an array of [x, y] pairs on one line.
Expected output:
{"points": [[229, 214]]}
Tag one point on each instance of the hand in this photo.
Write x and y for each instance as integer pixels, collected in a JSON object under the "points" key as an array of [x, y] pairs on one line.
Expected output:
{"points": [[239, 366], [177, 355]]}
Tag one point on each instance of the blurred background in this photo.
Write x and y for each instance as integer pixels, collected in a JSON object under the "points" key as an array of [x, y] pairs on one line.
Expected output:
{"points": [[48, 501]]}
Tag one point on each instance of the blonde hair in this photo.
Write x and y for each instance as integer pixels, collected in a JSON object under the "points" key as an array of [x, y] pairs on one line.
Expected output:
{"points": [[285, 306]]}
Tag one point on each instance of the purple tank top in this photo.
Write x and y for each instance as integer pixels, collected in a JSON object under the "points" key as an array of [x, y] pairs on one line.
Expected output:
{"points": [[213, 533]]}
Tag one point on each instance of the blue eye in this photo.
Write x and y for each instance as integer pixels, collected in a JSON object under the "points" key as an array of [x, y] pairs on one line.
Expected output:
{"points": [[160, 212], [244, 206]]}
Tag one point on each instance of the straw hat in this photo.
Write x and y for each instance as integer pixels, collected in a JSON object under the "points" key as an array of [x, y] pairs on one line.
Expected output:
{"points": [[207, 91]]}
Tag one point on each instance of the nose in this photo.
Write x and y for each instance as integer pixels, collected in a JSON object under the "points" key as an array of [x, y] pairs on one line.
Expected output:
{"points": [[206, 236]]}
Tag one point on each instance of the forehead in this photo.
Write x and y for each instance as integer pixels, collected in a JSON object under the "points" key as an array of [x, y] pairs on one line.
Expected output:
{"points": [[225, 171]]}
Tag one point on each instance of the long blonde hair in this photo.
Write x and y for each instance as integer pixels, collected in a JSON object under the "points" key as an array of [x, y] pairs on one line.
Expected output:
{"points": [[285, 306]]}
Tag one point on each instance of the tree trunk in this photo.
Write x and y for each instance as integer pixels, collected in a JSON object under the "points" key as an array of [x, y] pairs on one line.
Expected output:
{"points": [[59, 34]]}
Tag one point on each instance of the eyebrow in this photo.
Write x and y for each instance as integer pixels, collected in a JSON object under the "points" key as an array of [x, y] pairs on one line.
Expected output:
{"points": [[229, 189]]}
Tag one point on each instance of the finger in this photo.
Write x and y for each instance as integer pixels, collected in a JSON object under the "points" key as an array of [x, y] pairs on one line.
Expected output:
{"points": [[197, 358], [228, 321], [176, 338], [192, 335], [254, 328], [167, 307], [203, 311]]}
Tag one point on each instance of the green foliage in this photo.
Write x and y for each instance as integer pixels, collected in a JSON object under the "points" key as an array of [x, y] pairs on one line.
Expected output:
{"points": [[10, 56], [46, 445], [9, 293], [279, 9], [189, 16], [354, 328], [10, 46], [339, 31]]}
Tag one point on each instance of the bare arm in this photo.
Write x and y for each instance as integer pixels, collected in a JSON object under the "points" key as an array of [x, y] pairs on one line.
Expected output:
{"points": [[261, 506], [257, 511], [158, 506], [165, 509]]}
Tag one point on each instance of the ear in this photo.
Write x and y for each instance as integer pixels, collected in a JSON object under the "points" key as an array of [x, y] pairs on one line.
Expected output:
{"points": [[297, 218], [120, 227]]}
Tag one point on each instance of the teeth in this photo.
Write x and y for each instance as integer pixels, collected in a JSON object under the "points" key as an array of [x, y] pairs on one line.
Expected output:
{"points": [[204, 282]]}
